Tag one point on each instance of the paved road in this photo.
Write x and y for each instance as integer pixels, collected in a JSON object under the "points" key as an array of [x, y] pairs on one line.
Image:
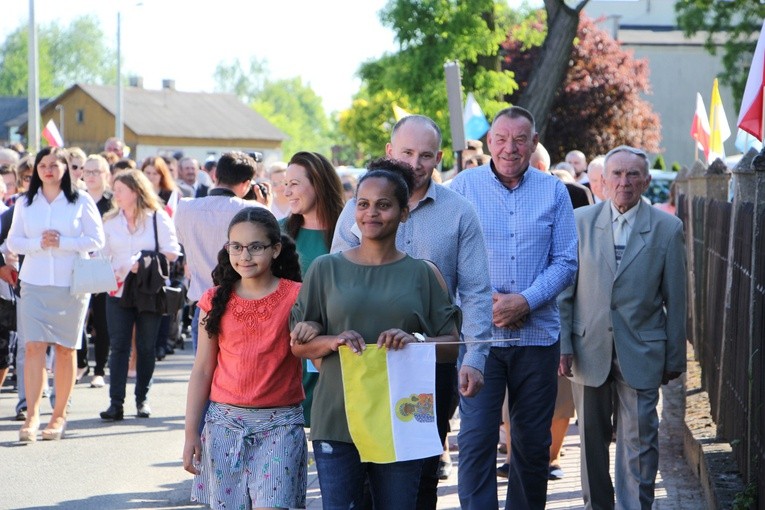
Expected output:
{"points": [[135, 464]]}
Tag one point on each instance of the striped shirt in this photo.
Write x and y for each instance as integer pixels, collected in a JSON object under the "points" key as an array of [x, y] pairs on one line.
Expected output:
{"points": [[531, 241], [443, 229], [629, 220]]}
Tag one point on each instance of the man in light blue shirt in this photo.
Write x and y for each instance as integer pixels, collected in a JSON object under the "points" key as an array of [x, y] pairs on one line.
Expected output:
{"points": [[528, 227], [202, 223], [443, 228]]}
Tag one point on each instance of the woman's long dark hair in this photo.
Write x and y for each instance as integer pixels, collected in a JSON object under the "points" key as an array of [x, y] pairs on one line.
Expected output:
{"points": [[224, 275], [329, 194], [70, 192]]}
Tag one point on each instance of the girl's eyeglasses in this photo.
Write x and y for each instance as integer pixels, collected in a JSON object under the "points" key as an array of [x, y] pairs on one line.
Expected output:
{"points": [[253, 249]]}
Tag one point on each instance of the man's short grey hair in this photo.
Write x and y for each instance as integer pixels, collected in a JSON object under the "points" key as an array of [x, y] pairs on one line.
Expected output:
{"points": [[631, 150], [421, 119], [516, 112]]}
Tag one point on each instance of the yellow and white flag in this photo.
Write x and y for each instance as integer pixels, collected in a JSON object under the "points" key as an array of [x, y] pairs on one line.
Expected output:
{"points": [[718, 123], [399, 113], [390, 402]]}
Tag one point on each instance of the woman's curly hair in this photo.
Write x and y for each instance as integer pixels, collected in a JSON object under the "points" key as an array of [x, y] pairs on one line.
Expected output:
{"points": [[286, 265]]}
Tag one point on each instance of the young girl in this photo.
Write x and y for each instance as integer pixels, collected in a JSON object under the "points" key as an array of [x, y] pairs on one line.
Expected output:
{"points": [[252, 452]]}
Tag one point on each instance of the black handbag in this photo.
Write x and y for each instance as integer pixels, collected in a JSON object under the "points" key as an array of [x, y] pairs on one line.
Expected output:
{"points": [[149, 290], [8, 313], [175, 297]]}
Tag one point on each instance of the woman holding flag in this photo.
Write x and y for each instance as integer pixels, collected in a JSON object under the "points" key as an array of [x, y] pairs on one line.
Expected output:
{"points": [[355, 311]]}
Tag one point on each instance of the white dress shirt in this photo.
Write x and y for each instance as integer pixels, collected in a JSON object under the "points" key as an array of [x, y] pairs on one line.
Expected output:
{"points": [[78, 224], [202, 225], [123, 246]]}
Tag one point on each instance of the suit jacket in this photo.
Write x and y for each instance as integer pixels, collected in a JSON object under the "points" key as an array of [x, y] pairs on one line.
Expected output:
{"points": [[202, 191], [580, 195], [638, 308]]}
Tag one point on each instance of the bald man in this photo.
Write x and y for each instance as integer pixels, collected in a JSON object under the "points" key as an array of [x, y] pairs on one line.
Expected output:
{"points": [[595, 173], [579, 194], [578, 160]]}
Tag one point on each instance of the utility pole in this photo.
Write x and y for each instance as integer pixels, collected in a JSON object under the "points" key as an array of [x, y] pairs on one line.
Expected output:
{"points": [[33, 86], [119, 132]]}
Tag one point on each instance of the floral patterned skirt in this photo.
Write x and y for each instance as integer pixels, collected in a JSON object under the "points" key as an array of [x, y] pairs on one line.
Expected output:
{"points": [[252, 458]]}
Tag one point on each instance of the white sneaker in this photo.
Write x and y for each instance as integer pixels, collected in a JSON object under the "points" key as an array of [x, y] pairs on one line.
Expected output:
{"points": [[97, 381]]}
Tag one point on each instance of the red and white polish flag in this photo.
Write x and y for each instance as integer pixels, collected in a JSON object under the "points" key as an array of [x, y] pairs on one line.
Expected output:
{"points": [[51, 134], [750, 116], [700, 128]]}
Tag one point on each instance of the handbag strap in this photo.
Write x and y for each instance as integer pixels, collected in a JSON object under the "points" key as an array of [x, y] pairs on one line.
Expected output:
{"points": [[156, 238]]}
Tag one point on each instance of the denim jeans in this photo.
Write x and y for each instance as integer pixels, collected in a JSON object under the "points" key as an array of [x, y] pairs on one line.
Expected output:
{"points": [[195, 328], [446, 397], [531, 377], [121, 322], [341, 479]]}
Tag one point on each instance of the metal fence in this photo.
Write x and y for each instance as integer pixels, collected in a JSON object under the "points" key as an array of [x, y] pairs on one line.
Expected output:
{"points": [[726, 313]]}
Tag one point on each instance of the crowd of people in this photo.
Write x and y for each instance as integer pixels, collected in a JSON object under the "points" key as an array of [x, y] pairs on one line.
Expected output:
{"points": [[549, 291]]}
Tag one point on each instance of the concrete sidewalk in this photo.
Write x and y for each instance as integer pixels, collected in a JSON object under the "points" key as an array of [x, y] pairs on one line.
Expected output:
{"points": [[136, 463], [676, 486]]}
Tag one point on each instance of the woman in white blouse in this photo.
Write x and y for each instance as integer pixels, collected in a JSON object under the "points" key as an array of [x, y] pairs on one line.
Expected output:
{"points": [[130, 229], [53, 224]]}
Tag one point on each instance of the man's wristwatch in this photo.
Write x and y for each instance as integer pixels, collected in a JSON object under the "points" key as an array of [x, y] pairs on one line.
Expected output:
{"points": [[420, 337]]}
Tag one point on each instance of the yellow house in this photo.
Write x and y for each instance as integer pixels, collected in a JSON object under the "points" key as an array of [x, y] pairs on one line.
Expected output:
{"points": [[199, 124]]}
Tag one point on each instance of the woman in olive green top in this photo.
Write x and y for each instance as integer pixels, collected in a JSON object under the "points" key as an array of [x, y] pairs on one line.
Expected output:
{"points": [[315, 196], [373, 293]]}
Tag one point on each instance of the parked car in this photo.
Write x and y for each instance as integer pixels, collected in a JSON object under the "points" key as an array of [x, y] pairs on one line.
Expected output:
{"points": [[658, 190]]}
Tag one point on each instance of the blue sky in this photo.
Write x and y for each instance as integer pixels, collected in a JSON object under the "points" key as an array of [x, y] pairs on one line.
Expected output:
{"points": [[324, 42]]}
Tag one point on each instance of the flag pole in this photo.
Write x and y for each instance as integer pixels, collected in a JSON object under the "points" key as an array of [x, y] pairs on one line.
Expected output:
{"points": [[762, 117]]}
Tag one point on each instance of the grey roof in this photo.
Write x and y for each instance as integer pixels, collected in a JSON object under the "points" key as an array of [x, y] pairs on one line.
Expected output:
{"points": [[172, 113], [13, 112]]}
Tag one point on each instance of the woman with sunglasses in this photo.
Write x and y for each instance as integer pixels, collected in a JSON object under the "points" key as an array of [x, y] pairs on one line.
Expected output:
{"points": [[97, 176]]}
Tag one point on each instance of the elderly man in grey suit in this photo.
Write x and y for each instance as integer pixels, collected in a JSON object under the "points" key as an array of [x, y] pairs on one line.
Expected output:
{"points": [[623, 330]]}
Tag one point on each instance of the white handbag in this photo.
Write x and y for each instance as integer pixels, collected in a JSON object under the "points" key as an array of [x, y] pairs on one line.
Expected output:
{"points": [[92, 276]]}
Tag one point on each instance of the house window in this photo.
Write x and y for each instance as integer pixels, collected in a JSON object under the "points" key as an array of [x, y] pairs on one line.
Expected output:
{"points": [[80, 116]]}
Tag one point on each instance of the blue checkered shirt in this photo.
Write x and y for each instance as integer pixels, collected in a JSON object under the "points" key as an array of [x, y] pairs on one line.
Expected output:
{"points": [[443, 229], [531, 241]]}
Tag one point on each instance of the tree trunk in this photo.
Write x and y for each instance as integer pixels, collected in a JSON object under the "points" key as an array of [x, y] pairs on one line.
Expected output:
{"points": [[550, 71]]}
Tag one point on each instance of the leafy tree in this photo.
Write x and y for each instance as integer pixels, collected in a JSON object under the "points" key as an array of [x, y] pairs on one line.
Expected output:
{"points": [[80, 53], [729, 25], [231, 77], [294, 107], [430, 33], [290, 104], [552, 60], [14, 65], [369, 121], [344, 150], [660, 164], [598, 105], [66, 55]]}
